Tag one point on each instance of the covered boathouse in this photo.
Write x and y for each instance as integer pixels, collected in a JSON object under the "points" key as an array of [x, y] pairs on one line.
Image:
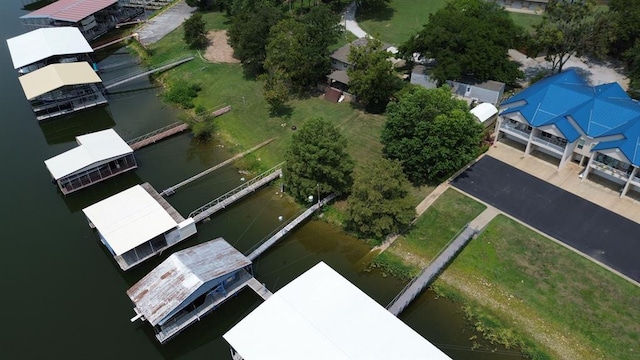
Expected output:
{"points": [[61, 89], [92, 17], [137, 223], [39, 48], [99, 156], [321, 315], [188, 285]]}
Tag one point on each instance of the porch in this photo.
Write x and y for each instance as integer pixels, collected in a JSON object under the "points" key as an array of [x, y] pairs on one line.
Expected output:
{"points": [[80, 180]]}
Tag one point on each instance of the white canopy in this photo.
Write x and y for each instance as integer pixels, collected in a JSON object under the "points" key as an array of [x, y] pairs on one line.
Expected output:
{"points": [[95, 148], [55, 76], [321, 315], [44, 43], [484, 111], [129, 218]]}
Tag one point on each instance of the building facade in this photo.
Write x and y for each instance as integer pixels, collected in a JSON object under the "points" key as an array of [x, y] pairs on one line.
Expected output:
{"points": [[565, 117]]}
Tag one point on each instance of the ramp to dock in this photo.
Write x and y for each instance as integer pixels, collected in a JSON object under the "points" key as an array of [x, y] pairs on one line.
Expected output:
{"points": [[136, 75], [172, 189], [157, 135], [262, 246], [236, 194], [427, 275]]}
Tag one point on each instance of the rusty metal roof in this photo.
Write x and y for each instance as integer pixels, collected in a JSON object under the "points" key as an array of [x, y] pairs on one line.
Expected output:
{"points": [[167, 286], [70, 10]]}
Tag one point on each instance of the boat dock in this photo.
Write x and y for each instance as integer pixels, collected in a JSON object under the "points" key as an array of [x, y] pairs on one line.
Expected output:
{"points": [[259, 288], [171, 190], [157, 135], [262, 246], [427, 275], [236, 194]]}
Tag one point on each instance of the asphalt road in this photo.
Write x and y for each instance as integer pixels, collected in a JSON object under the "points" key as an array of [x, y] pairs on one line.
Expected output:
{"points": [[591, 229]]}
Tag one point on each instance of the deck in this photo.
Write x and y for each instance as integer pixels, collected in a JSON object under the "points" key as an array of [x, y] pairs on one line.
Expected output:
{"points": [[236, 194], [427, 275], [259, 288], [167, 207], [261, 247], [157, 135]]}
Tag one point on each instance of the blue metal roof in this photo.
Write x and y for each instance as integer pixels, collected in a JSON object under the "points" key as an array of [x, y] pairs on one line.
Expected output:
{"points": [[630, 145], [601, 110]]}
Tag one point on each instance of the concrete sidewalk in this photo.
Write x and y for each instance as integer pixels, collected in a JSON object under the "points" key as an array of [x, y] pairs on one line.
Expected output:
{"points": [[350, 23], [159, 26]]}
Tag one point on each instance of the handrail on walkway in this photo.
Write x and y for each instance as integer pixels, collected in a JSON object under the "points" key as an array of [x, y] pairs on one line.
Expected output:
{"points": [[229, 194], [154, 133]]}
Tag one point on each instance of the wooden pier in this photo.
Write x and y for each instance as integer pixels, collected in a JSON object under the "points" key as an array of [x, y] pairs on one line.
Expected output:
{"points": [[427, 275], [137, 75], [261, 247], [172, 189], [157, 135], [102, 46], [259, 288], [236, 194]]}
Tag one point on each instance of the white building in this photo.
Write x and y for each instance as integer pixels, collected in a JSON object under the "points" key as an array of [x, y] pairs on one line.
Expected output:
{"points": [[42, 47], [136, 224], [321, 315], [99, 156]]}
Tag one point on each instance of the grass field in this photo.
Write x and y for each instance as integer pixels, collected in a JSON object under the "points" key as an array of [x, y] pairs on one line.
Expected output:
{"points": [[395, 22], [523, 289]]}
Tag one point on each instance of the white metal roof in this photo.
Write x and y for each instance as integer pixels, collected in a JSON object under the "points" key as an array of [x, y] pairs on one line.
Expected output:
{"points": [[129, 218], [321, 315], [166, 287], [44, 43], [484, 111], [94, 148], [55, 76]]}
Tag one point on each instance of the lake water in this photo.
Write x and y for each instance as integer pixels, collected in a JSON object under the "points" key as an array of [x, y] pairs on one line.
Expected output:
{"points": [[63, 295]]}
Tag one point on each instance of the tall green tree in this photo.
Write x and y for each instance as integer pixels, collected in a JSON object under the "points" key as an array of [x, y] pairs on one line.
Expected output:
{"points": [[632, 58], [249, 32], [468, 38], [276, 91], [371, 76], [194, 32], [625, 22], [316, 161], [431, 133], [570, 28], [379, 204]]}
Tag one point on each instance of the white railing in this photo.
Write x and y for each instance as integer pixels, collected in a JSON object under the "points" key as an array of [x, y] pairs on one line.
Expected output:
{"points": [[540, 141], [514, 129], [617, 173]]}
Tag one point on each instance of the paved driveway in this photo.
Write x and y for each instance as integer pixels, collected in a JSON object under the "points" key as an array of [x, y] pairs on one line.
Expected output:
{"points": [[589, 228]]}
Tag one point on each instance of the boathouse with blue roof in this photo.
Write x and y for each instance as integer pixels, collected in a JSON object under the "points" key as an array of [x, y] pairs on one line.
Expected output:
{"points": [[567, 118]]}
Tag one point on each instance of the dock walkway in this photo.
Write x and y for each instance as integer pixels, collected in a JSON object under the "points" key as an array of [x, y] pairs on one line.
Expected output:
{"points": [[261, 247], [157, 135], [259, 288], [427, 275], [236, 194], [136, 75]]}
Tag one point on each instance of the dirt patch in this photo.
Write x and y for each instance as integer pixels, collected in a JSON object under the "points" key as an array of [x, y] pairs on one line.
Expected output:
{"points": [[219, 50]]}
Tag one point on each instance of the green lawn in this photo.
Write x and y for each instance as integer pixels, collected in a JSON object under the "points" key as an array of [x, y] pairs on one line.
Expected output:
{"points": [[526, 20], [399, 20]]}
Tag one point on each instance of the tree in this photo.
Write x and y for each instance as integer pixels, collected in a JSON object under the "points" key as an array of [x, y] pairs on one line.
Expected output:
{"points": [[194, 33], [468, 38], [300, 48], [632, 58], [431, 133], [625, 17], [371, 78], [276, 91], [316, 161], [379, 204], [249, 31], [568, 28]]}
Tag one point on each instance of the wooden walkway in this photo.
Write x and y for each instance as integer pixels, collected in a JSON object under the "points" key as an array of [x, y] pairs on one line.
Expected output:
{"points": [[157, 135], [427, 275], [172, 189], [236, 194], [137, 75], [259, 288], [262, 246]]}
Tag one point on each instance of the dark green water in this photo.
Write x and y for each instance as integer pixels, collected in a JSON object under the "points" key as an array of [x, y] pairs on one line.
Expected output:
{"points": [[64, 297]]}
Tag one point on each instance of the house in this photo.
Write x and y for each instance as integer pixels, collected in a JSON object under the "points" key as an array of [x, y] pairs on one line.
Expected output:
{"points": [[63, 88], [188, 285], [41, 47], [92, 17], [480, 92], [570, 120], [531, 5], [321, 315], [340, 63], [100, 155], [137, 224]]}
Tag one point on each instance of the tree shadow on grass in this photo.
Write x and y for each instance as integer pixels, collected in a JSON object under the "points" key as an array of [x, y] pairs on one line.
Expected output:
{"points": [[380, 12], [283, 111]]}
